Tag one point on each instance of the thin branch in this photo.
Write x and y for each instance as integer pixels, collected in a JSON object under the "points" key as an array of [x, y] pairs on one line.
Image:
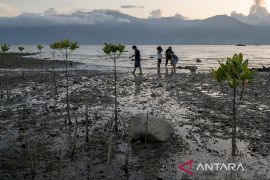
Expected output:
{"points": [[111, 56], [223, 93], [241, 95], [118, 56], [61, 51], [70, 52]]}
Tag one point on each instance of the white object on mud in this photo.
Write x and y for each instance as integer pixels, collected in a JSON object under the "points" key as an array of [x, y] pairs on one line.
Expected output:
{"points": [[157, 129]]}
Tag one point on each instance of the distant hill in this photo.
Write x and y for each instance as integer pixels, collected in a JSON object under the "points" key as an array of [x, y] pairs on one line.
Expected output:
{"points": [[98, 27]]}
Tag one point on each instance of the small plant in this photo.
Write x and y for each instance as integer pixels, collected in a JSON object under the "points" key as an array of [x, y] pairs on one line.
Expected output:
{"points": [[40, 47], [87, 119], [60, 164], [53, 48], [21, 49], [66, 48], [114, 51], [235, 73], [4, 49], [33, 162]]}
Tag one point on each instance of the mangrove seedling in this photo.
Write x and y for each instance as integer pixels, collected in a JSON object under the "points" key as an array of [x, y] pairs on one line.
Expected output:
{"points": [[4, 49], [66, 48], [40, 47], [53, 48], [21, 49], [114, 51], [235, 73]]}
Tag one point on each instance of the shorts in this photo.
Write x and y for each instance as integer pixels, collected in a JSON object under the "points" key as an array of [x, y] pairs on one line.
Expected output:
{"points": [[159, 61], [137, 64], [173, 62]]}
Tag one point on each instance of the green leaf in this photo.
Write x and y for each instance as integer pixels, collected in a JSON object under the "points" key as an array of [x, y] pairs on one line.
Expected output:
{"points": [[4, 48], [40, 47], [20, 48], [110, 49], [233, 71]]}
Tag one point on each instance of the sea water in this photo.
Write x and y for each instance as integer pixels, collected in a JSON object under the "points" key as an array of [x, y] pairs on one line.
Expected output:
{"points": [[94, 58]]}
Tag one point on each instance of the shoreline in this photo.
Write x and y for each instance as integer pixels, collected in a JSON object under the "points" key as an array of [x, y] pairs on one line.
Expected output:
{"points": [[20, 60]]}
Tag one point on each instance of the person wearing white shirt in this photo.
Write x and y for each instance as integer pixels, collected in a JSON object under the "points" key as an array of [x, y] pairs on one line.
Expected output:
{"points": [[159, 58]]}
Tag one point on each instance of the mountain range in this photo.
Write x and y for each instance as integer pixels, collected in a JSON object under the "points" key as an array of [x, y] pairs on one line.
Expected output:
{"points": [[98, 27]]}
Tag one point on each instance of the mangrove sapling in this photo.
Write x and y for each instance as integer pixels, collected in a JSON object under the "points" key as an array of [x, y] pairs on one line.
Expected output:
{"points": [[40, 47], [66, 48], [145, 146], [87, 119], [53, 48], [234, 72], [4, 50], [127, 151], [114, 51], [32, 161], [72, 142], [60, 164], [19, 118], [146, 131], [109, 154], [20, 48]]}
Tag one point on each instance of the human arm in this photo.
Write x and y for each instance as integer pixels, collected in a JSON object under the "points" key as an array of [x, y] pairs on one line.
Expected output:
{"points": [[132, 56]]}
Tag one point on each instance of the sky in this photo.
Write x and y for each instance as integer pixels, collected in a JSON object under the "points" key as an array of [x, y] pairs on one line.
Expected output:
{"points": [[193, 9]]}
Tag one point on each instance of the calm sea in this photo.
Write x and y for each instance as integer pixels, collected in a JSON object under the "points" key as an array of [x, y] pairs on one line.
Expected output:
{"points": [[94, 58]]}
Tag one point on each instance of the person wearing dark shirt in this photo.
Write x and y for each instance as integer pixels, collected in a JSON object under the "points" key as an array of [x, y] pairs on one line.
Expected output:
{"points": [[168, 54], [137, 56]]}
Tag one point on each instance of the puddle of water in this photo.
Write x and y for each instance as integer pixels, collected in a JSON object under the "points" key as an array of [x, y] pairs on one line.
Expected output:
{"points": [[210, 93]]}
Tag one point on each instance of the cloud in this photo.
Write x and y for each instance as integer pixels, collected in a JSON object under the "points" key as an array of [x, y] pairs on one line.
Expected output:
{"points": [[258, 14], [105, 10], [51, 18], [50, 12], [180, 16], [259, 2], [7, 11], [156, 14], [258, 10], [131, 7]]}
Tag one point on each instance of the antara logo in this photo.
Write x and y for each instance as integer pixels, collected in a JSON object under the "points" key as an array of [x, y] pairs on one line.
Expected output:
{"points": [[187, 167], [181, 167]]}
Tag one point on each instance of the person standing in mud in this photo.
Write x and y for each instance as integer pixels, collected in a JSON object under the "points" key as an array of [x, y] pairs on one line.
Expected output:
{"points": [[159, 58], [168, 54], [137, 56]]}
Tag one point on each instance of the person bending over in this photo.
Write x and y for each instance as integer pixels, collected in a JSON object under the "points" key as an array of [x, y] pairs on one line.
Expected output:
{"points": [[168, 54], [137, 56]]}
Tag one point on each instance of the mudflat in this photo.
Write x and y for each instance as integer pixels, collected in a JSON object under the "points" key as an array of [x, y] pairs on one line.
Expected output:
{"points": [[34, 135]]}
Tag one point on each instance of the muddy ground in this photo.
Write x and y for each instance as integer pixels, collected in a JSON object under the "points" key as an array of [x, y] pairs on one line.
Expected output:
{"points": [[24, 60], [36, 143]]}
